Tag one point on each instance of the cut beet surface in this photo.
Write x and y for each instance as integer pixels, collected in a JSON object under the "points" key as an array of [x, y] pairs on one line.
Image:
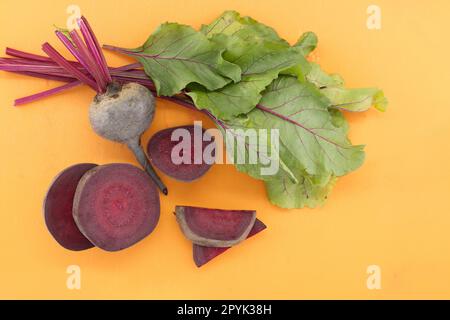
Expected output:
{"points": [[116, 205], [214, 227], [58, 204], [203, 254], [160, 148]]}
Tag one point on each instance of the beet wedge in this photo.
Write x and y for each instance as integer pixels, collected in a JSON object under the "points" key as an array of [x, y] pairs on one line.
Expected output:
{"points": [[203, 255], [58, 208], [160, 147], [116, 205], [214, 227]]}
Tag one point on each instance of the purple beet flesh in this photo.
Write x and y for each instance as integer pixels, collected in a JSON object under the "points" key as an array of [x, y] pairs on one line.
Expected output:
{"points": [[215, 227], [160, 148], [116, 205]]}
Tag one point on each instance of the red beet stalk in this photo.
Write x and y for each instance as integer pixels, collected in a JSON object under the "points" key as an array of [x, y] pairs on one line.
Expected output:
{"points": [[90, 68]]}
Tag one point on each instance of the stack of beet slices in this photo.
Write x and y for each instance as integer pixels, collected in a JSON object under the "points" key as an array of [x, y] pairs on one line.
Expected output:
{"points": [[111, 206]]}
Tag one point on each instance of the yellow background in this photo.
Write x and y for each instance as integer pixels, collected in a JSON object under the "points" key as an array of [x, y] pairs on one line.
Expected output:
{"points": [[394, 212]]}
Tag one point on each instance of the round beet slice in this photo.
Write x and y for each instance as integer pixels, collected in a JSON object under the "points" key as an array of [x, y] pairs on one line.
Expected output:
{"points": [[58, 204], [116, 205], [160, 148], [215, 227]]}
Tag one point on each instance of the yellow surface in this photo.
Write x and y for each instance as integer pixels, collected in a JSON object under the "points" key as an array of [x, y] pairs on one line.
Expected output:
{"points": [[394, 212]]}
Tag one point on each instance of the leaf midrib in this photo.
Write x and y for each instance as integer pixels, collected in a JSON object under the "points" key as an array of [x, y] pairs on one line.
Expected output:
{"points": [[296, 123]]}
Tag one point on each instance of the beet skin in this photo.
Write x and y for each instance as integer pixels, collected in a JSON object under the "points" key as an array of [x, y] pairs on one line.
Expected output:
{"points": [[58, 208]]}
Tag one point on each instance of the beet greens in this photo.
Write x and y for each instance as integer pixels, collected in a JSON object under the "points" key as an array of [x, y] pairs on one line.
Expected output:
{"points": [[242, 75]]}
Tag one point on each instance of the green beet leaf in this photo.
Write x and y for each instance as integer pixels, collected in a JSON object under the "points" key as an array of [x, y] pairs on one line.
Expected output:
{"points": [[261, 68], [300, 112], [307, 43], [291, 186], [354, 100], [310, 191], [305, 190], [322, 79], [260, 53], [231, 23], [176, 55], [332, 85], [247, 145]]}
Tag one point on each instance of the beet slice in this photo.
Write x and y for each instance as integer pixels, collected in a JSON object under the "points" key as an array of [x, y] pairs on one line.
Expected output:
{"points": [[116, 205], [58, 208], [203, 255], [159, 150], [215, 227]]}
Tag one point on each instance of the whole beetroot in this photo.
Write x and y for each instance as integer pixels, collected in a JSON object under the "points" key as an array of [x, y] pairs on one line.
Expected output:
{"points": [[120, 112]]}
